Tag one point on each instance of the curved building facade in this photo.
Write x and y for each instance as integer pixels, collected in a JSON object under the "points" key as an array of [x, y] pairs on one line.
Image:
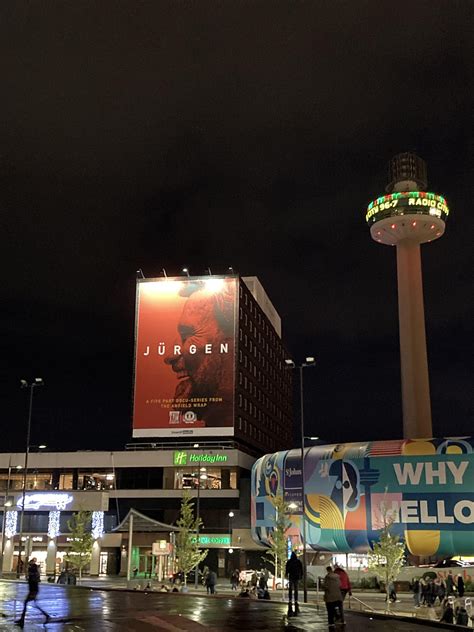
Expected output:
{"points": [[425, 485]]}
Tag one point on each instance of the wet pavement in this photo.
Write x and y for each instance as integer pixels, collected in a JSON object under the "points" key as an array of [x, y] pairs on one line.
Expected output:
{"points": [[75, 609]]}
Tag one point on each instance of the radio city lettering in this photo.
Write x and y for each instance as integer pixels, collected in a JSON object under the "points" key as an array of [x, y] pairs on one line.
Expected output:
{"points": [[192, 349], [403, 202], [432, 511]]}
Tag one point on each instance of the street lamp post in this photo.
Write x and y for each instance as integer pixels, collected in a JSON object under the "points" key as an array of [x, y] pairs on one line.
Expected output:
{"points": [[198, 515], [231, 515], [6, 503], [32, 385], [309, 362]]}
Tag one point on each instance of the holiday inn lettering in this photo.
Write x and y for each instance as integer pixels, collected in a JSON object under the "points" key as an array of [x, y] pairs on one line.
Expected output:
{"points": [[425, 486], [180, 457]]}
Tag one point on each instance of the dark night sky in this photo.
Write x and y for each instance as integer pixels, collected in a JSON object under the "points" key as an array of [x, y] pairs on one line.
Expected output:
{"points": [[252, 134]]}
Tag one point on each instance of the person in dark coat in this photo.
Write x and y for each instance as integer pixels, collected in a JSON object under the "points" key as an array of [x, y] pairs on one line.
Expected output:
{"points": [[460, 586], [333, 598], [211, 582], [462, 618], [450, 584], [33, 589], [448, 613], [416, 587], [234, 579], [294, 572]]}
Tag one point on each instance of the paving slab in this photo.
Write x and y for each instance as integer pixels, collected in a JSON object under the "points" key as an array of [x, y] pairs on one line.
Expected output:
{"points": [[79, 609]]}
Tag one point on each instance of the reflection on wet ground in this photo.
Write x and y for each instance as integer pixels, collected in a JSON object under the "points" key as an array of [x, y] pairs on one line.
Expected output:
{"points": [[80, 609]]}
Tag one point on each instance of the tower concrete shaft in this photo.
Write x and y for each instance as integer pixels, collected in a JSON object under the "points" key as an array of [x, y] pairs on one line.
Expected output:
{"points": [[413, 356]]}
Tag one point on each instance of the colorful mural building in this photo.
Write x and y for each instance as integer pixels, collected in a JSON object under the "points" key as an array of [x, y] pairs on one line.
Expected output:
{"points": [[426, 487]]}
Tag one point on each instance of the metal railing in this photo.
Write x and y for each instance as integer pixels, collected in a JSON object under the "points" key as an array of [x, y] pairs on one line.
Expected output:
{"points": [[361, 603], [182, 445]]}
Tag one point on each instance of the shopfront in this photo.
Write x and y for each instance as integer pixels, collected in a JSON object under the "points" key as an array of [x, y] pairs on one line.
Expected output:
{"points": [[45, 516]]}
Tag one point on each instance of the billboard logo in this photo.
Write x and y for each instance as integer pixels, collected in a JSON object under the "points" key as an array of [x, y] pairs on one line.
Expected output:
{"points": [[175, 416], [189, 417], [180, 458]]}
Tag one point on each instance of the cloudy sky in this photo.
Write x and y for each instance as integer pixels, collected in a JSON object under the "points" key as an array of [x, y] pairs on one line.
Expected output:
{"points": [[245, 134]]}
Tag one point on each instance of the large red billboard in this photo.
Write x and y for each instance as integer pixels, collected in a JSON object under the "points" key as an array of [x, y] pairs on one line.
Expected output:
{"points": [[185, 357]]}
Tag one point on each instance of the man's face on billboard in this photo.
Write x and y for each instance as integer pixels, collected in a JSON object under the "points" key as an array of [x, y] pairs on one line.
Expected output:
{"points": [[200, 374]]}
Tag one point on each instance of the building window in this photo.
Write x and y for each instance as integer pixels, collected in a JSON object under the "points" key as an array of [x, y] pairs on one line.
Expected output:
{"points": [[210, 477]]}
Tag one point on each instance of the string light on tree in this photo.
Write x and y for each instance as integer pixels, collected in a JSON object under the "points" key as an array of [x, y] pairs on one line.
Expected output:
{"points": [[97, 524], [11, 521], [53, 523]]}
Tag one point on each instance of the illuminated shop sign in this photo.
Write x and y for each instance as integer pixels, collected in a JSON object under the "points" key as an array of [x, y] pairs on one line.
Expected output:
{"points": [[407, 203], [219, 540], [184, 458], [45, 501]]}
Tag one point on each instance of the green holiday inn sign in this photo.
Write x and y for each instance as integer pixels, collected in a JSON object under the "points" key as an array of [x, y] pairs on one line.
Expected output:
{"points": [[180, 457]]}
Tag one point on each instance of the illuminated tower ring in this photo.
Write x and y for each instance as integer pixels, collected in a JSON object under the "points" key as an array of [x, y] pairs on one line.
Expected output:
{"points": [[414, 215], [406, 217]]}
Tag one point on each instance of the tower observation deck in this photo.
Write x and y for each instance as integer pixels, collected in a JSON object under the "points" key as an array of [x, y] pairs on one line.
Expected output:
{"points": [[405, 217]]}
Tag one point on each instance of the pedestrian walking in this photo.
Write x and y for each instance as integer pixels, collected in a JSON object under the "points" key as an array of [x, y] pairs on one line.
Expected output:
{"points": [[345, 581], [294, 572], [333, 598], [460, 586], [416, 587], [33, 589], [450, 586], [234, 579], [430, 592], [392, 593]]}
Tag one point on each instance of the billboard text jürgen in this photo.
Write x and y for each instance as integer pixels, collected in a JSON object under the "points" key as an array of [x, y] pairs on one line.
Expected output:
{"points": [[185, 357]]}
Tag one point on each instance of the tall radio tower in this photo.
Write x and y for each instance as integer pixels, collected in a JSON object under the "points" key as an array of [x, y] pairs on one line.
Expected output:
{"points": [[407, 217]]}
